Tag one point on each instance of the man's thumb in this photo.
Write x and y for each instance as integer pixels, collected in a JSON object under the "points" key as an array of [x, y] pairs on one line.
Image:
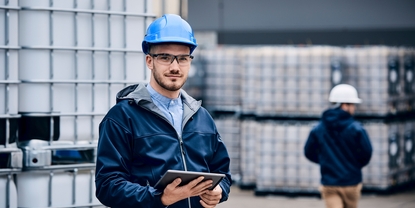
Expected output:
{"points": [[177, 181]]}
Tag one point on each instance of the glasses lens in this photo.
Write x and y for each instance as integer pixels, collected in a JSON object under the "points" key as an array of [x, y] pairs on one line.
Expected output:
{"points": [[183, 59], [167, 59], [164, 58]]}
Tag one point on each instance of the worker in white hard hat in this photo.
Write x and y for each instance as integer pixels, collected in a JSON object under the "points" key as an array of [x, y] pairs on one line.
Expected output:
{"points": [[341, 146]]}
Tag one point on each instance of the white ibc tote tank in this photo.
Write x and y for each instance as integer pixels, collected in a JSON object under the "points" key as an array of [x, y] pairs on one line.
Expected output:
{"points": [[75, 56]]}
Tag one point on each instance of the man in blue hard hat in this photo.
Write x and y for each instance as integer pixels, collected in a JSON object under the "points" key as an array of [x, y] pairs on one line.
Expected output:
{"points": [[341, 146], [157, 126]]}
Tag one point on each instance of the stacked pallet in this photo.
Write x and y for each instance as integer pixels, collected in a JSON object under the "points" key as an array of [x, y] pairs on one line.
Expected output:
{"points": [[282, 92]]}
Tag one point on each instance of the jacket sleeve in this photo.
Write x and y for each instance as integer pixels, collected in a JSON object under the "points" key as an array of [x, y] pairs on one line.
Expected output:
{"points": [[113, 187], [364, 149], [220, 164], [311, 148]]}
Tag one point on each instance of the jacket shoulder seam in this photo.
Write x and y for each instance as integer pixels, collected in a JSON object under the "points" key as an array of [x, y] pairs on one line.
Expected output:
{"points": [[118, 123]]}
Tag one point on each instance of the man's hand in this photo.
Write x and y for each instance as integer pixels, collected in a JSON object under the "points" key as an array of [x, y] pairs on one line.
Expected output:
{"points": [[211, 197], [174, 193]]}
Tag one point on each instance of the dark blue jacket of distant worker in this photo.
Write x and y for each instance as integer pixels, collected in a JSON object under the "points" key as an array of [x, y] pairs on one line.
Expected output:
{"points": [[341, 147], [137, 145]]}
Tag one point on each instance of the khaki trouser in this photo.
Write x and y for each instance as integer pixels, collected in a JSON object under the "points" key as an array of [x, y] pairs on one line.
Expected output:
{"points": [[341, 196]]}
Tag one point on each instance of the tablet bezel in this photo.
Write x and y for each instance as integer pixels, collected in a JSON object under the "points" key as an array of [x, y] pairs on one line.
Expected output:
{"points": [[188, 176]]}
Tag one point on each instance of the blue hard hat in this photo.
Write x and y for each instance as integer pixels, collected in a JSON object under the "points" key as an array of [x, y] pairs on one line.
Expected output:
{"points": [[169, 28]]}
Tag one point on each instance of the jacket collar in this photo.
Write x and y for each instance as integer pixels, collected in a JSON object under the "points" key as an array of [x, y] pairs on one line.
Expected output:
{"points": [[141, 96]]}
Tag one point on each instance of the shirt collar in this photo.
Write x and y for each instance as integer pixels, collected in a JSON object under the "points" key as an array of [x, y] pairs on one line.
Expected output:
{"points": [[163, 99]]}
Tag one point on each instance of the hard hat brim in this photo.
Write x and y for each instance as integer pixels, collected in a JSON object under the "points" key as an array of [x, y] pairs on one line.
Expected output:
{"points": [[354, 101], [182, 41]]}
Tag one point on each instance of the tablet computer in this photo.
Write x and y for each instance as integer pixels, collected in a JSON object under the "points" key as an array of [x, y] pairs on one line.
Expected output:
{"points": [[186, 177]]}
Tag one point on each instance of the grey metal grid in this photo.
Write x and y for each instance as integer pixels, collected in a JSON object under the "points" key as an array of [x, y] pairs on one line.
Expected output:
{"points": [[82, 54], [77, 84], [8, 79], [8, 85]]}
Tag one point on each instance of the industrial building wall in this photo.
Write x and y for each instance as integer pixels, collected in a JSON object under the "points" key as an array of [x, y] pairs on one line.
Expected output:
{"points": [[306, 22]]}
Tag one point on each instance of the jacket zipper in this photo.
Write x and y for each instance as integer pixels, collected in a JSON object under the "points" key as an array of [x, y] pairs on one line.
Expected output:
{"points": [[181, 144], [184, 162]]}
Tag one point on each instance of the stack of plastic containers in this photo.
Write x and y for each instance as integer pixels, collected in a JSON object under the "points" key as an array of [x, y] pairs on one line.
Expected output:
{"points": [[61, 65], [223, 67], [280, 164], [284, 90], [384, 78], [229, 127], [285, 80]]}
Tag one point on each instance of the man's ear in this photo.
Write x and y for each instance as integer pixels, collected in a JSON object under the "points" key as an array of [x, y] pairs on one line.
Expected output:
{"points": [[149, 62]]}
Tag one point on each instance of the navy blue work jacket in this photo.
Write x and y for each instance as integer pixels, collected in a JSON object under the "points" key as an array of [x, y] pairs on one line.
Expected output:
{"points": [[137, 145]]}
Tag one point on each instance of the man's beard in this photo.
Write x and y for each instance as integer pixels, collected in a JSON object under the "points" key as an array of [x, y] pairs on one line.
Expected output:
{"points": [[174, 86]]}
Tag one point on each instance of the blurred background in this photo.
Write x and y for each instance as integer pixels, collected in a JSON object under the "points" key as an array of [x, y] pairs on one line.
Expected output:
{"points": [[263, 69]]}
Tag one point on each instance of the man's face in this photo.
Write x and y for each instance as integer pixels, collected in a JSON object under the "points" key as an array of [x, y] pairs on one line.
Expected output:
{"points": [[169, 77], [349, 107]]}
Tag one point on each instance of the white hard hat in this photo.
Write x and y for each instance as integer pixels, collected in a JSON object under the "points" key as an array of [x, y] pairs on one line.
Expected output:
{"points": [[344, 93]]}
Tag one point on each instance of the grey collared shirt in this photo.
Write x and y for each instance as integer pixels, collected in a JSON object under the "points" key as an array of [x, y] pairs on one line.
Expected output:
{"points": [[172, 108]]}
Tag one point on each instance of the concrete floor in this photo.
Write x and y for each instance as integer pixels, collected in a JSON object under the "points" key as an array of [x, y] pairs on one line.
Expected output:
{"points": [[247, 199]]}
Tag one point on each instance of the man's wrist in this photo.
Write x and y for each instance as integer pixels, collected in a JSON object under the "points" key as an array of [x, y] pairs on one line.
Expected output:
{"points": [[164, 201], [159, 200]]}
